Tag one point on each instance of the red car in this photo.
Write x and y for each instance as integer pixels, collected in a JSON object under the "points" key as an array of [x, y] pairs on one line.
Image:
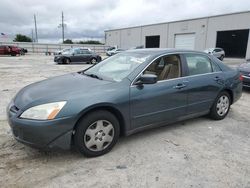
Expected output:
{"points": [[9, 50]]}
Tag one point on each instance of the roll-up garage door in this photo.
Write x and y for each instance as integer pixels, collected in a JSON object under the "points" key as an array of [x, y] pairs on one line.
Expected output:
{"points": [[185, 41]]}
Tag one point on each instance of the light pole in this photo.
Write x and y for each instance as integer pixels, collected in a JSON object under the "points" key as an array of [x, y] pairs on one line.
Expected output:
{"points": [[62, 25], [35, 28]]}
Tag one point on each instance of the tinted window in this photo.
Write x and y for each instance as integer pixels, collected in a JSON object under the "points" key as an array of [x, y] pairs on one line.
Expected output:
{"points": [[198, 64], [85, 52], [166, 67], [217, 50], [77, 51]]}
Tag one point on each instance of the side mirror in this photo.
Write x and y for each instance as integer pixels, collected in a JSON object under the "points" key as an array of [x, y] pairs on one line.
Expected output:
{"points": [[147, 79]]}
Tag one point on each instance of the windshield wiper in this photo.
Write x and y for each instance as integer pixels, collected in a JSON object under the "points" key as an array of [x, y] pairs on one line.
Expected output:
{"points": [[93, 76]]}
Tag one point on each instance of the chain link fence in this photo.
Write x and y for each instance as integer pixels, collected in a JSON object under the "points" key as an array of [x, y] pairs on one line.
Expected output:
{"points": [[50, 48]]}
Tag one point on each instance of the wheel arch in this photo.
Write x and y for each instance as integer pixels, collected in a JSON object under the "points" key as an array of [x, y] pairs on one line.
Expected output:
{"points": [[93, 57], [230, 92], [64, 58], [105, 107]]}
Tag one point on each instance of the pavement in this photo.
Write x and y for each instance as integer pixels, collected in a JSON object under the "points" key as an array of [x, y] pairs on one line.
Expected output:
{"points": [[195, 153]]}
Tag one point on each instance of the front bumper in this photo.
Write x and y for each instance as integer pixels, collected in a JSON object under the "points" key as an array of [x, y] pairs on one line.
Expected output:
{"points": [[108, 54], [57, 59], [46, 134]]}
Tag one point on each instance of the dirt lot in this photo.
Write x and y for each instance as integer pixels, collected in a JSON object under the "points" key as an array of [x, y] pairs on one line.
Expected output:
{"points": [[195, 153]]}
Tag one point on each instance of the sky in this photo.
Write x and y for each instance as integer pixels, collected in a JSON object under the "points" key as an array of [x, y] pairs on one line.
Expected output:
{"points": [[87, 19]]}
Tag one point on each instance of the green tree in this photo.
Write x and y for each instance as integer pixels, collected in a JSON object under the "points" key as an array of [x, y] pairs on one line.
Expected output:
{"points": [[22, 38], [90, 42], [68, 41]]}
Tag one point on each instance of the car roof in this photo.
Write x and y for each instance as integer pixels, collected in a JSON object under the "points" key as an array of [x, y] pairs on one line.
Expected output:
{"points": [[160, 51]]}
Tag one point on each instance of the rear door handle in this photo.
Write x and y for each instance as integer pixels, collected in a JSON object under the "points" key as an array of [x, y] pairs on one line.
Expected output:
{"points": [[219, 80]]}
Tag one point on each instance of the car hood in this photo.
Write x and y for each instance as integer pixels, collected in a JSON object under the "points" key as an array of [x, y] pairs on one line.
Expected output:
{"points": [[57, 89], [244, 67]]}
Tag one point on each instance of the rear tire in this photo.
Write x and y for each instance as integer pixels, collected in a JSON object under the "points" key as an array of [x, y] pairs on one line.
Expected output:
{"points": [[93, 61], [13, 54], [96, 133], [221, 57], [221, 106]]}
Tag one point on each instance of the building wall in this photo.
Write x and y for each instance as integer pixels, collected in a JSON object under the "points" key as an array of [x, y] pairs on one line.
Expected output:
{"points": [[160, 29], [198, 27], [113, 38], [227, 22], [205, 30], [130, 37]]}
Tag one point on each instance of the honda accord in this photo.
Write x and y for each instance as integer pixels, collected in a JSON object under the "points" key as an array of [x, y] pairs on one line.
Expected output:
{"points": [[124, 94]]}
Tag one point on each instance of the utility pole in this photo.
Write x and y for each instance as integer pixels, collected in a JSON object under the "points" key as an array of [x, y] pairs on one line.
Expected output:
{"points": [[32, 35], [62, 25], [35, 28], [62, 29]]}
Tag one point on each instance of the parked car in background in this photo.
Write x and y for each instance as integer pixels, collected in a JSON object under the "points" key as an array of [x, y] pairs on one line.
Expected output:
{"points": [[110, 49], [245, 72], [78, 55], [9, 50], [137, 47], [114, 51], [65, 50], [217, 52], [23, 51], [124, 94], [85, 48], [59, 52]]}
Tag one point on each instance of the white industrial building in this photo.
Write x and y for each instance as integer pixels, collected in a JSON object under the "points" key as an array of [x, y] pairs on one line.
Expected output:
{"points": [[228, 31]]}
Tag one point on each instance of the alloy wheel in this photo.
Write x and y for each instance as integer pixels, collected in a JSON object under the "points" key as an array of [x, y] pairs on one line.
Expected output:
{"points": [[99, 135], [93, 61], [222, 105]]}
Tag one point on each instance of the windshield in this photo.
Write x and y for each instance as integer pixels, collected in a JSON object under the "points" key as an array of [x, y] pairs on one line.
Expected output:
{"points": [[117, 67], [68, 51]]}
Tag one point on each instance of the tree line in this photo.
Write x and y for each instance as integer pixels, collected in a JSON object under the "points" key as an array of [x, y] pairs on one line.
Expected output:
{"points": [[24, 38]]}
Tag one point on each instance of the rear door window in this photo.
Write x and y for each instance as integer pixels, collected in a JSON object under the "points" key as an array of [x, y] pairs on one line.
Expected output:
{"points": [[198, 64]]}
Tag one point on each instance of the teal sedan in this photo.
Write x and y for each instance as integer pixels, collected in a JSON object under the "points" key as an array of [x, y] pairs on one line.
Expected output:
{"points": [[126, 93]]}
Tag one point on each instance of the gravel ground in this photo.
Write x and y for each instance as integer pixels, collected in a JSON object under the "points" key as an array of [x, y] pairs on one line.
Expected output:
{"points": [[194, 153]]}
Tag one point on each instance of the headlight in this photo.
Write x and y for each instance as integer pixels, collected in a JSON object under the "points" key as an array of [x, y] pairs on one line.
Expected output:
{"points": [[44, 111]]}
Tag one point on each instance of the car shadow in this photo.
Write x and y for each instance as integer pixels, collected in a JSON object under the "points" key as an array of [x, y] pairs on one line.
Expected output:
{"points": [[246, 90], [55, 153], [164, 128]]}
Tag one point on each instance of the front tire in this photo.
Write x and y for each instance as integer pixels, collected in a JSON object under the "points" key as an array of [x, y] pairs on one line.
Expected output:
{"points": [[221, 57], [66, 61], [96, 133], [221, 106]]}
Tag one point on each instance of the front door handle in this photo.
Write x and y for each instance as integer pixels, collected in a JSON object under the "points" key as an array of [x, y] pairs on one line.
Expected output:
{"points": [[180, 86], [217, 78]]}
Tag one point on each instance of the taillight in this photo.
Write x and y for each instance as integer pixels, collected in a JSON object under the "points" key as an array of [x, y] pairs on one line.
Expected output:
{"points": [[241, 77]]}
